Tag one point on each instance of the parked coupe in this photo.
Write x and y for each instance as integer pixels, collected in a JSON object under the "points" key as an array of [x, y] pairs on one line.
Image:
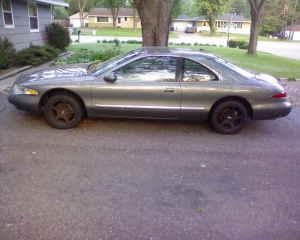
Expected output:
{"points": [[158, 83]]}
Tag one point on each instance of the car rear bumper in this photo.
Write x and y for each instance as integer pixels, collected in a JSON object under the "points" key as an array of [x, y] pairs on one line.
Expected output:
{"points": [[25, 102], [272, 110]]}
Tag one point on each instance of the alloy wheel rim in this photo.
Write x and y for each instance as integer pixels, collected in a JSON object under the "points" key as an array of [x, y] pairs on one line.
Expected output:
{"points": [[62, 112], [230, 118]]}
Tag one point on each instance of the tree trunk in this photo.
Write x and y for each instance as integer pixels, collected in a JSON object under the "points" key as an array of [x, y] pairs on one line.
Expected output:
{"points": [[257, 7], [156, 19], [81, 18], [212, 24], [115, 14], [134, 19], [254, 37], [81, 6]]}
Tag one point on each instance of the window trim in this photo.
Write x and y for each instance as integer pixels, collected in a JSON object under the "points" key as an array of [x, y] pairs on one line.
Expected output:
{"points": [[37, 17], [177, 72], [12, 15], [218, 76], [102, 17]]}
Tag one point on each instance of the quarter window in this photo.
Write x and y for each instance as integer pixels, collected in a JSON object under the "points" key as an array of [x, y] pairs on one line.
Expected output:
{"points": [[7, 12], [195, 72], [151, 69], [33, 17], [102, 19]]}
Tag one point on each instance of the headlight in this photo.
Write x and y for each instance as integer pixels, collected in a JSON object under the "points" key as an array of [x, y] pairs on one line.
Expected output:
{"points": [[23, 90]]}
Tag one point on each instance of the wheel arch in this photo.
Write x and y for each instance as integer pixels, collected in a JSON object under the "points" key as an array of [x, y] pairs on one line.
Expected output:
{"points": [[233, 98], [54, 91]]}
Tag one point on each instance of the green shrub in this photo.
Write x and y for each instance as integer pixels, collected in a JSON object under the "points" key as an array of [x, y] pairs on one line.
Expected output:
{"points": [[57, 36], [7, 53], [86, 56], [133, 42], [238, 44], [243, 45], [117, 42], [233, 43], [36, 55]]}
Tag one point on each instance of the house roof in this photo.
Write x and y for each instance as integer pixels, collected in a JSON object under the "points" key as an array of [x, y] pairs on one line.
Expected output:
{"points": [[189, 18], [61, 3], [123, 12], [225, 17], [77, 15]]}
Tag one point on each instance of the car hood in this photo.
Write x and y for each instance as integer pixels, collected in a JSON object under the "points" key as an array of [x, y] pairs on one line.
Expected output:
{"points": [[53, 73]]}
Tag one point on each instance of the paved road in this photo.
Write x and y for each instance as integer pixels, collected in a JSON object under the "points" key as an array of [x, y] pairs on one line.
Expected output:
{"points": [[127, 179], [284, 49]]}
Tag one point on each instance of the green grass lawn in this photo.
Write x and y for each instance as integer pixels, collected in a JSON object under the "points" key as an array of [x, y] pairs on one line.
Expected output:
{"points": [[121, 32], [263, 62]]}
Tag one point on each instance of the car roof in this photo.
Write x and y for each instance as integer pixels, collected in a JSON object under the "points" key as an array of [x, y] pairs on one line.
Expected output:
{"points": [[181, 52]]}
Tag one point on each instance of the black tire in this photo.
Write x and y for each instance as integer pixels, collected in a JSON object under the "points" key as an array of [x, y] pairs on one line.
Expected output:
{"points": [[229, 117], [63, 111]]}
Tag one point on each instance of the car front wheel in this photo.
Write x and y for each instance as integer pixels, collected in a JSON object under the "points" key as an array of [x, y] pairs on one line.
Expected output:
{"points": [[63, 111], [229, 117]]}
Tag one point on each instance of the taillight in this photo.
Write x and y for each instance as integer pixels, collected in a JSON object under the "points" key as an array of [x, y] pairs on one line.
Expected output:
{"points": [[280, 95]]}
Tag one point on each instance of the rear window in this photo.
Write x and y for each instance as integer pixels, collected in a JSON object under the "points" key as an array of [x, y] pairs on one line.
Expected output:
{"points": [[235, 68]]}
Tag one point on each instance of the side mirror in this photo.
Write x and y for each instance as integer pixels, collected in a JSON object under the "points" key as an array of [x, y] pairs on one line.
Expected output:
{"points": [[111, 78]]}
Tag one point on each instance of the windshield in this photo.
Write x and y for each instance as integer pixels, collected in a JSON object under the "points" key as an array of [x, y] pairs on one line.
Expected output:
{"points": [[101, 67], [235, 68]]}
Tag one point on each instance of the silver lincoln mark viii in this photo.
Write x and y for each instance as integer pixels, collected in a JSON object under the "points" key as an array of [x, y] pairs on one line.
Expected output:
{"points": [[158, 83]]}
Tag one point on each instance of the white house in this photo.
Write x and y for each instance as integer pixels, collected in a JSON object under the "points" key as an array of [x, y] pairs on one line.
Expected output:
{"points": [[238, 23], [75, 20]]}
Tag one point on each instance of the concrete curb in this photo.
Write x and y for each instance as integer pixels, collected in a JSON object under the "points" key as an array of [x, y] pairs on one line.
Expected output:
{"points": [[14, 72], [288, 80]]}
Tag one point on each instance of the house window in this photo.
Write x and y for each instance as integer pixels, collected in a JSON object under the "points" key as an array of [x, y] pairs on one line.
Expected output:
{"points": [[7, 13], [102, 19], [119, 20], [125, 18], [33, 17]]}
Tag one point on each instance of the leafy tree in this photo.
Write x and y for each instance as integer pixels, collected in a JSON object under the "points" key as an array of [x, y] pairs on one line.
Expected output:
{"points": [[257, 11], [271, 24], [276, 15], [240, 7], [131, 4], [114, 6], [82, 5], [60, 13], [177, 8], [211, 9]]}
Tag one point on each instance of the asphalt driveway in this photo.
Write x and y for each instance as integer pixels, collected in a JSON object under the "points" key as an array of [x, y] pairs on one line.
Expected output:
{"points": [[128, 179]]}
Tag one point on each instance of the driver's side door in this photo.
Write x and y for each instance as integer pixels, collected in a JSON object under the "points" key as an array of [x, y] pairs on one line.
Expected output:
{"points": [[147, 87]]}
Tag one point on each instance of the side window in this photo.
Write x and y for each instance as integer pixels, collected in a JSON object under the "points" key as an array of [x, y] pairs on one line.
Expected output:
{"points": [[151, 69], [195, 72], [33, 17], [7, 13]]}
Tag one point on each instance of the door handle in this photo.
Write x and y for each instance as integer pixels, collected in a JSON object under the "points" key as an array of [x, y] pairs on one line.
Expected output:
{"points": [[169, 90]]}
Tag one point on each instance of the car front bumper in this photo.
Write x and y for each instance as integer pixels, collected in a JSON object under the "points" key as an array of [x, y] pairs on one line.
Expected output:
{"points": [[25, 102], [272, 110]]}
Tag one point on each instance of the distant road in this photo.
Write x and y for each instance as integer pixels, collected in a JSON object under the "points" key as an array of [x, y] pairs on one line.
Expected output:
{"points": [[284, 49]]}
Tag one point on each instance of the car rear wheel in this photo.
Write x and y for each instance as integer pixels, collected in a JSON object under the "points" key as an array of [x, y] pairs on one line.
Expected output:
{"points": [[229, 117], [63, 111]]}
